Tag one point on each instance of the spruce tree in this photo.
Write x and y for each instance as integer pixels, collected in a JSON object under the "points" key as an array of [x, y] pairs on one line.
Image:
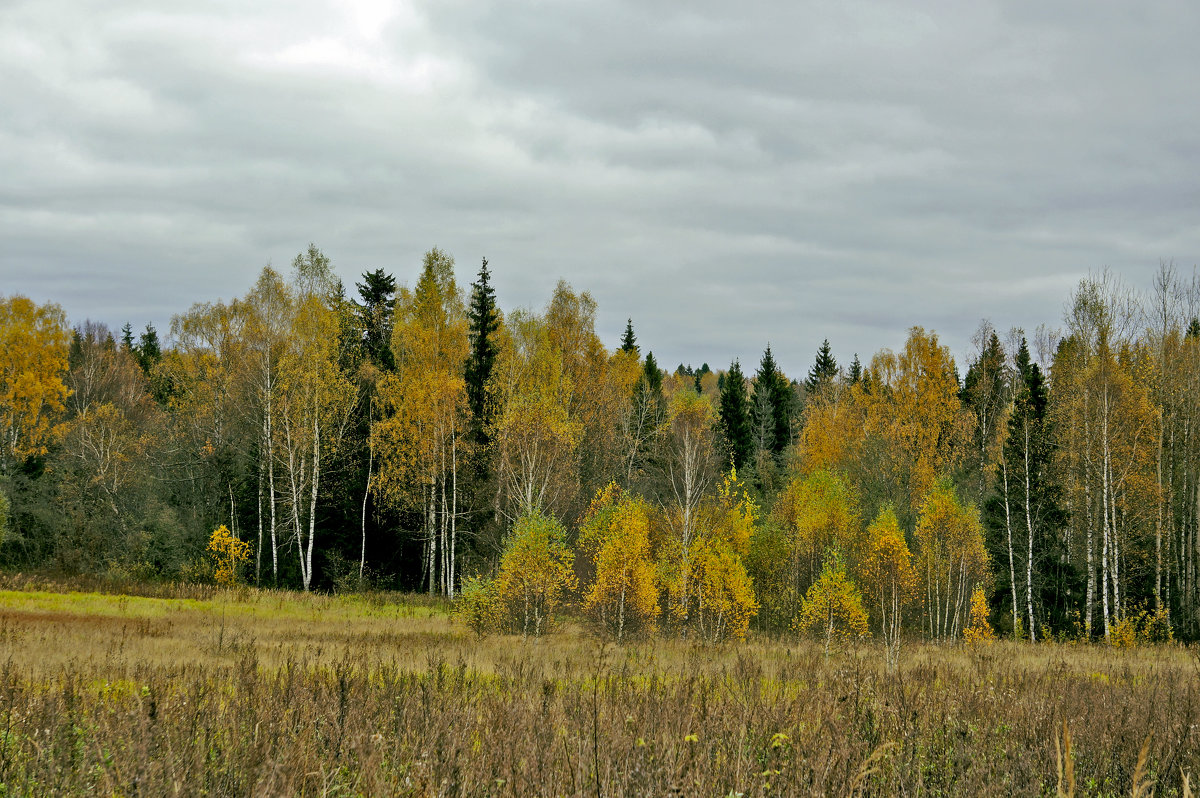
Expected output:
{"points": [[855, 373], [823, 371], [127, 338], [374, 314], [647, 415], [1045, 583], [484, 320], [629, 340], [148, 350], [985, 394], [734, 416], [1193, 330], [773, 404], [653, 377]]}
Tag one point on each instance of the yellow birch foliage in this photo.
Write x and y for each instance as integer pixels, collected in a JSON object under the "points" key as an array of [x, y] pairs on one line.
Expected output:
{"points": [[228, 554], [621, 594], [912, 404], [536, 436], [737, 513], [33, 361], [535, 575], [722, 601], [978, 629], [833, 607], [833, 432], [725, 600], [424, 401], [819, 512], [951, 557], [889, 578], [888, 572]]}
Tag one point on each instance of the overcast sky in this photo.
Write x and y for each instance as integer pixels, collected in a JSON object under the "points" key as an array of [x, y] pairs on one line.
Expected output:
{"points": [[727, 174]]}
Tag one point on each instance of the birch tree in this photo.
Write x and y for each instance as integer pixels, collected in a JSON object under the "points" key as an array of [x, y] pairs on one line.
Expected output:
{"points": [[951, 559], [33, 361], [315, 398], [270, 308], [424, 432]]}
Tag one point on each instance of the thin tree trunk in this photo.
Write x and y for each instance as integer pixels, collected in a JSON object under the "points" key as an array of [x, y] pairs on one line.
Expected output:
{"points": [[271, 493], [1012, 574], [431, 526], [312, 508], [258, 550], [1158, 521], [1087, 502], [1104, 557], [1029, 530], [453, 510], [362, 557]]}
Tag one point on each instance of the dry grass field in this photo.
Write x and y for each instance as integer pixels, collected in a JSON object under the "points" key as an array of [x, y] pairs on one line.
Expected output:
{"points": [[197, 692]]}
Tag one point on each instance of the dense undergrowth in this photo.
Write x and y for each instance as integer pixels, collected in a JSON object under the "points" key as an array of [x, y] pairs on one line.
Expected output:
{"points": [[265, 693]]}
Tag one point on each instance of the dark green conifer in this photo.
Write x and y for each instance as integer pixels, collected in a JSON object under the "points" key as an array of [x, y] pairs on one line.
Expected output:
{"points": [[734, 416], [374, 314], [772, 405], [148, 350], [484, 320], [824, 370], [629, 340]]}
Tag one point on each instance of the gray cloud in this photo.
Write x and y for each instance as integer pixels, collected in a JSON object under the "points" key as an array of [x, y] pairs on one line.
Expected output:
{"points": [[725, 174]]}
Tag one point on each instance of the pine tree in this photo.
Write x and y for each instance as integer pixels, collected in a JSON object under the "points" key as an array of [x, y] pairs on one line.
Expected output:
{"points": [[823, 371], [374, 313], [734, 415], [629, 340], [773, 404], [484, 320]]}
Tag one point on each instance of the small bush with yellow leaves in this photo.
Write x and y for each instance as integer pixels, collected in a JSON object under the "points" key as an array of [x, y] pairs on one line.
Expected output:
{"points": [[228, 554], [978, 629]]}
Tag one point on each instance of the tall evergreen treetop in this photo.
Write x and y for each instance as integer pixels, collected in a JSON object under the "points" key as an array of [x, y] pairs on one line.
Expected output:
{"points": [[1027, 505], [823, 371], [734, 416], [377, 291], [148, 350], [629, 340], [484, 320], [856, 370], [985, 394], [652, 375], [1031, 385], [773, 402], [127, 337]]}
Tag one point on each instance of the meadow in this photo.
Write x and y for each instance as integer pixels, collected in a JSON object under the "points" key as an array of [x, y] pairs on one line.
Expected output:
{"points": [[199, 691]]}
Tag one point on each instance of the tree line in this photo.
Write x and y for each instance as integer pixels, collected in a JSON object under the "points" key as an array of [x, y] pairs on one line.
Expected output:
{"points": [[421, 438]]}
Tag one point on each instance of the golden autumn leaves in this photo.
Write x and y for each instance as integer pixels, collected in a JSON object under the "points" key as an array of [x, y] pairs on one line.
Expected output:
{"points": [[818, 568], [34, 340], [626, 567]]}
